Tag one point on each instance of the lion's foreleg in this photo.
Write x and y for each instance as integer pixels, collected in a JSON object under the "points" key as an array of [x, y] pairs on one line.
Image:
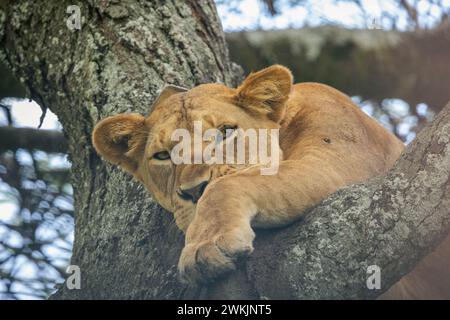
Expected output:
{"points": [[221, 230]]}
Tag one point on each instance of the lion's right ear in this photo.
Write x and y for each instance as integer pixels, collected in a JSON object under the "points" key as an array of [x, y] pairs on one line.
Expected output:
{"points": [[266, 92], [121, 140]]}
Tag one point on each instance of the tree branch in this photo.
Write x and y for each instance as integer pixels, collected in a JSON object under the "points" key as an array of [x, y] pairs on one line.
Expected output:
{"points": [[392, 222], [12, 138]]}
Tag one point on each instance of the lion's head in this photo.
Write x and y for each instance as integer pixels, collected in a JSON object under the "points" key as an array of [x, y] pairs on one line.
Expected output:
{"points": [[142, 145]]}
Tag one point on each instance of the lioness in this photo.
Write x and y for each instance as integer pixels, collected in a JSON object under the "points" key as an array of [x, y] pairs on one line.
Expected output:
{"points": [[326, 142]]}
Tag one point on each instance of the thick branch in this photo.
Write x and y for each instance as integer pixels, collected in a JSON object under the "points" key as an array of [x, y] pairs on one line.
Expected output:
{"points": [[12, 138], [391, 222]]}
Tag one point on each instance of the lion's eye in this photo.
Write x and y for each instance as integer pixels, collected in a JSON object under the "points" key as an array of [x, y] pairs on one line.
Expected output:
{"points": [[163, 155], [227, 130]]}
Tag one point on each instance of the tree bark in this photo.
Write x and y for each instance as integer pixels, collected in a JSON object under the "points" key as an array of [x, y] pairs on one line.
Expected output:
{"points": [[126, 245]]}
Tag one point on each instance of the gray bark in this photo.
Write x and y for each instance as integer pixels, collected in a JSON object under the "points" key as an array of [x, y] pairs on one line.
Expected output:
{"points": [[125, 244]]}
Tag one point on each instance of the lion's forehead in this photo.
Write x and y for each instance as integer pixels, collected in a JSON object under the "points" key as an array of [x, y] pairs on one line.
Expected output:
{"points": [[183, 114], [212, 105], [195, 98]]}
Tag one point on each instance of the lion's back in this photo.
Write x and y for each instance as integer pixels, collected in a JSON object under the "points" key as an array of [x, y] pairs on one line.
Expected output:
{"points": [[323, 122]]}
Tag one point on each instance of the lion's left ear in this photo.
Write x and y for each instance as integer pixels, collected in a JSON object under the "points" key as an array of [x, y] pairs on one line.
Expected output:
{"points": [[266, 91], [121, 140]]}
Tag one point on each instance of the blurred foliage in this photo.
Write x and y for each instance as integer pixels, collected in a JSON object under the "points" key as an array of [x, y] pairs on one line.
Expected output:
{"points": [[373, 64], [398, 116], [36, 222]]}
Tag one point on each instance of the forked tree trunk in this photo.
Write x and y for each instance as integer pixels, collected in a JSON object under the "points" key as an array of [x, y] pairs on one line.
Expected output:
{"points": [[126, 245]]}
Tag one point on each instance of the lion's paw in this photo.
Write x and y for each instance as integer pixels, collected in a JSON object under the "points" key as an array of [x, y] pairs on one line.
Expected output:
{"points": [[203, 261]]}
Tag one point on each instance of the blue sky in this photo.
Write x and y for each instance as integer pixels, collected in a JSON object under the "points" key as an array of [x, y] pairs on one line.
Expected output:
{"points": [[346, 13]]}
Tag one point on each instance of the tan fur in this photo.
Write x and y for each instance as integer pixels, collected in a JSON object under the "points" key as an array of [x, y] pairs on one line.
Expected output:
{"points": [[326, 142]]}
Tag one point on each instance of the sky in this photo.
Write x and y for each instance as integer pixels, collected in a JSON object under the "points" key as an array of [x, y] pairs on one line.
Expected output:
{"points": [[27, 113], [251, 14]]}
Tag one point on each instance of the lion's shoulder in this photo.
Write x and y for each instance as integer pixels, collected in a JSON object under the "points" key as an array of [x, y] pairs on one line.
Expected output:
{"points": [[322, 118]]}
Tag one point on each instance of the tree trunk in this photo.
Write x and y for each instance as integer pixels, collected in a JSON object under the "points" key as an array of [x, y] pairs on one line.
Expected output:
{"points": [[127, 246]]}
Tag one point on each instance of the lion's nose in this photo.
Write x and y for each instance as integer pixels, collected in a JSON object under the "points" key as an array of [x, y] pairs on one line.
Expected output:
{"points": [[193, 193]]}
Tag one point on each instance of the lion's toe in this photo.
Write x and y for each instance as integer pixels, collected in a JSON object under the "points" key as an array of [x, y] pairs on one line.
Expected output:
{"points": [[201, 263]]}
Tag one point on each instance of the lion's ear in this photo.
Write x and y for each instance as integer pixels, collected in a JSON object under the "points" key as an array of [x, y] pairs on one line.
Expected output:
{"points": [[121, 140], [266, 91]]}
